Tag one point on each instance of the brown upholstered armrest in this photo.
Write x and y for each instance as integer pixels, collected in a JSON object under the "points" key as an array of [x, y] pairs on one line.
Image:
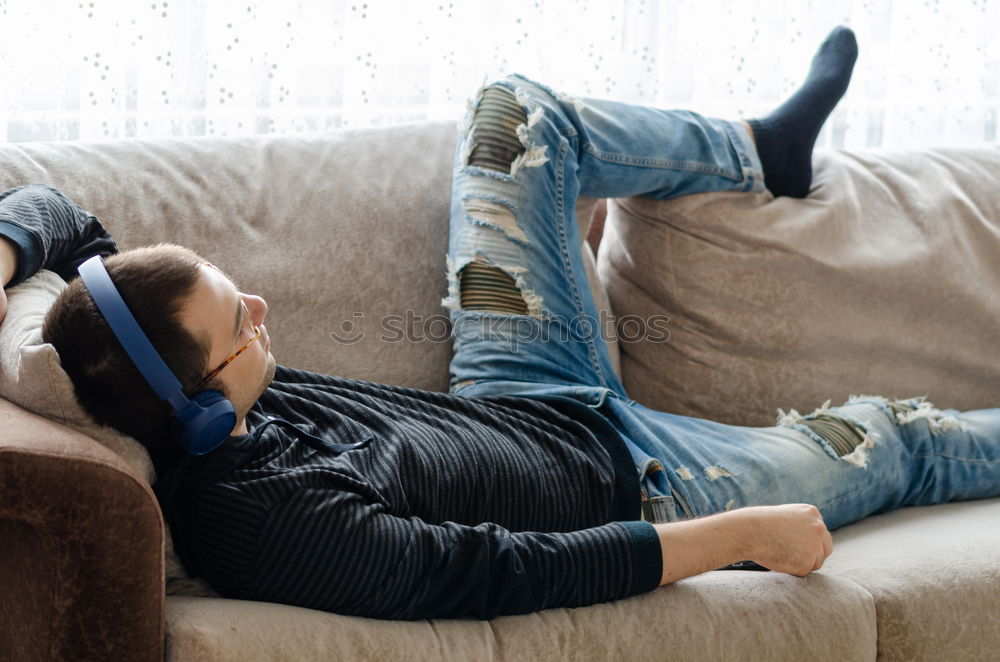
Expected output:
{"points": [[81, 548]]}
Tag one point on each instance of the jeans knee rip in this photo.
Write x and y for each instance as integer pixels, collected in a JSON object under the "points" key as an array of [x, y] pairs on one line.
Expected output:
{"points": [[499, 296], [497, 131], [850, 440], [912, 409], [839, 435]]}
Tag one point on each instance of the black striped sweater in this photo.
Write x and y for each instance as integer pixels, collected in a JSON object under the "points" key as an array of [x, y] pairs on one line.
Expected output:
{"points": [[448, 507]]}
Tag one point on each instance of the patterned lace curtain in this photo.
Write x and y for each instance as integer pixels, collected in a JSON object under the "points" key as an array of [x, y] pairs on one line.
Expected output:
{"points": [[929, 70]]}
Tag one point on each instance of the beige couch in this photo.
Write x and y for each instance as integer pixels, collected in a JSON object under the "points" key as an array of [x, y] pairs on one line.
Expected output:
{"points": [[338, 231]]}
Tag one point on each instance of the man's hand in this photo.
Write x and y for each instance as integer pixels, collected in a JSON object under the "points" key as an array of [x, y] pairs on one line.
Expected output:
{"points": [[791, 538], [8, 267]]}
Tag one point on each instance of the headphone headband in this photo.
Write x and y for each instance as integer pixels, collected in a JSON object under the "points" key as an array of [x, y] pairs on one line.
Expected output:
{"points": [[130, 334], [200, 424]]}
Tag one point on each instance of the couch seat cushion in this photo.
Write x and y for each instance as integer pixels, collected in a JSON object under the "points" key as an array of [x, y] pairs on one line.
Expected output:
{"points": [[934, 574], [716, 616]]}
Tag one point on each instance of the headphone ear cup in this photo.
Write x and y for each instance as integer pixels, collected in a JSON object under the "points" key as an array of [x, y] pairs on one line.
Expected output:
{"points": [[205, 423]]}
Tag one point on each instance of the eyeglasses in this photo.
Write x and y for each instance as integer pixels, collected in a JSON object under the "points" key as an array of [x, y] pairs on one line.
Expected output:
{"points": [[255, 336]]}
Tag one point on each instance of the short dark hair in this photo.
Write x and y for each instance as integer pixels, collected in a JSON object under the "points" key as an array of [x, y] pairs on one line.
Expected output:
{"points": [[154, 283]]}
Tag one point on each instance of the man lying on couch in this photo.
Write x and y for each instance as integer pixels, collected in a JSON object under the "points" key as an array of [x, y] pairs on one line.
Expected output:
{"points": [[527, 486]]}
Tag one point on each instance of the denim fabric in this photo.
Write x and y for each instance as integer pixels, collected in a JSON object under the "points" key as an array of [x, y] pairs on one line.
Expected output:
{"points": [[907, 453]]}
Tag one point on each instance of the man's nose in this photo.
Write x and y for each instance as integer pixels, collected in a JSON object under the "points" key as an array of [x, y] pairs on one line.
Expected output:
{"points": [[257, 307]]}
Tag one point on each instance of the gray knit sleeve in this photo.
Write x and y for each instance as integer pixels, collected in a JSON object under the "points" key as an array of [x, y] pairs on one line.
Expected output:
{"points": [[50, 231]]}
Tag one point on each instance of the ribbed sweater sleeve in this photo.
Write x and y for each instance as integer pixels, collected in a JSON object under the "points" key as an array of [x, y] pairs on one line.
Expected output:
{"points": [[50, 231], [337, 552]]}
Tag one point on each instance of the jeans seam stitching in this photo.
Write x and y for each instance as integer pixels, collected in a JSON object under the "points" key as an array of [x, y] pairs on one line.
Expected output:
{"points": [[664, 164], [592, 354], [746, 162]]}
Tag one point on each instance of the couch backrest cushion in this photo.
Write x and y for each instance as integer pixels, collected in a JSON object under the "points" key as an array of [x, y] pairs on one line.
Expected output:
{"points": [[885, 280], [342, 232]]}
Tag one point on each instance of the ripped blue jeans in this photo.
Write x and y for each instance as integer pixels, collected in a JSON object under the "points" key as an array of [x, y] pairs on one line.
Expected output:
{"points": [[524, 321]]}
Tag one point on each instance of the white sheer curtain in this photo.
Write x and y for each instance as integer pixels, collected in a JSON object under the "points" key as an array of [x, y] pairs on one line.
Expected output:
{"points": [[929, 70]]}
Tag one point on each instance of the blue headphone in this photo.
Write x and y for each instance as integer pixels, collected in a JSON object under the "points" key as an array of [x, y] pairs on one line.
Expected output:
{"points": [[199, 424]]}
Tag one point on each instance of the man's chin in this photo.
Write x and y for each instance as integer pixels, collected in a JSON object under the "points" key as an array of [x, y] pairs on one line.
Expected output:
{"points": [[265, 380], [269, 373]]}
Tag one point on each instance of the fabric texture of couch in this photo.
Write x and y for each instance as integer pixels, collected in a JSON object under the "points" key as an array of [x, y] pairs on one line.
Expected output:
{"points": [[343, 231]]}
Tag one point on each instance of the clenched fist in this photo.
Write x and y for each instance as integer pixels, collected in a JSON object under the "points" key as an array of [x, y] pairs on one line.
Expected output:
{"points": [[789, 538]]}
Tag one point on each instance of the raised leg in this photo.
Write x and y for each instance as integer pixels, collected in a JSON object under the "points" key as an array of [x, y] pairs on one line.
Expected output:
{"points": [[522, 313], [521, 309], [523, 317]]}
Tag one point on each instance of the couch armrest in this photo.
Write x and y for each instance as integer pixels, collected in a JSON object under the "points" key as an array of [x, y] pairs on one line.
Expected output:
{"points": [[81, 548]]}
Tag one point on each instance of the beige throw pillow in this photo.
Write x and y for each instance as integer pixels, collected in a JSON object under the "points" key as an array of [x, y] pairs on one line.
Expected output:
{"points": [[885, 280]]}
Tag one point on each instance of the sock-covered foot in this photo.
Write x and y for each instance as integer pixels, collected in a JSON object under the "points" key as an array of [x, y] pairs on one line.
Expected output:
{"points": [[785, 138]]}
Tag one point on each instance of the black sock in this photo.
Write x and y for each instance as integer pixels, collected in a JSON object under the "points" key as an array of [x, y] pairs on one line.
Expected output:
{"points": [[785, 138]]}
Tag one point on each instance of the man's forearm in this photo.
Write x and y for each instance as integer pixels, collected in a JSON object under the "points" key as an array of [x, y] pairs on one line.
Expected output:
{"points": [[699, 545]]}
